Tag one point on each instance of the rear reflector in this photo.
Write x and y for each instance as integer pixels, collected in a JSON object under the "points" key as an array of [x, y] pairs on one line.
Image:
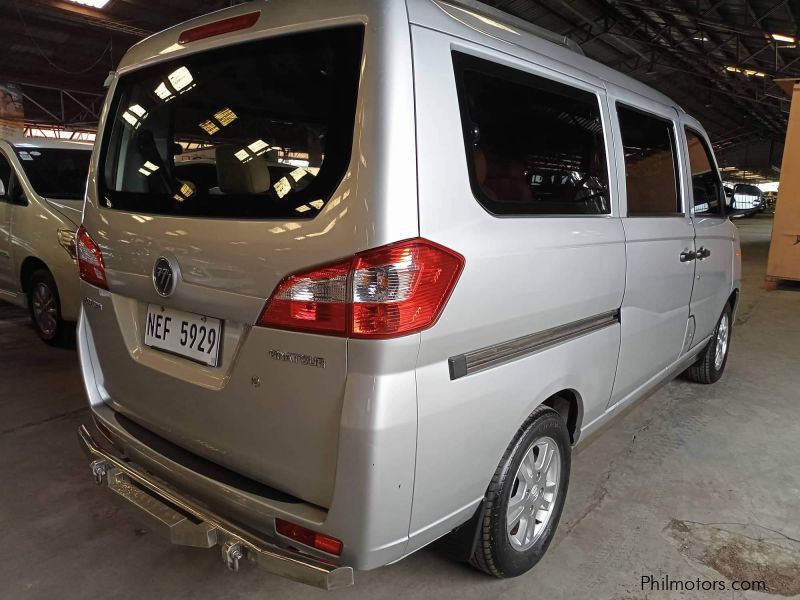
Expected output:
{"points": [[219, 27], [388, 292], [90, 260], [309, 538]]}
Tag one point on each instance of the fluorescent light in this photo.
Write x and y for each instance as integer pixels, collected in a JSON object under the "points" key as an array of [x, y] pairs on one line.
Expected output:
{"points": [[779, 37], [226, 116], [163, 92], [92, 3], [209, 127], [180, 78], [748, 72], [257, 146], [701, 38]]}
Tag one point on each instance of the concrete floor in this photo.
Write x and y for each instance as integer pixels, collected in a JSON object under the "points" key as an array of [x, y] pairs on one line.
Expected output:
{"points": [[693, 482]]}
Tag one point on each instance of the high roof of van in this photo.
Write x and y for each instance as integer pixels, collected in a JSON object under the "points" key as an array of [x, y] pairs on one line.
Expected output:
{"points": [[469, 19]]}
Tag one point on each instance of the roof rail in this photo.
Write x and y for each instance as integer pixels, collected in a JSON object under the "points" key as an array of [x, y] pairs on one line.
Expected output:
{"points": [[508, 19]]}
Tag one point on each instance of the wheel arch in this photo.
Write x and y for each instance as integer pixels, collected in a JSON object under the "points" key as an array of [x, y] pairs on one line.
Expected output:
{"points": [[29, 266], [569, 405], [733, 301]]}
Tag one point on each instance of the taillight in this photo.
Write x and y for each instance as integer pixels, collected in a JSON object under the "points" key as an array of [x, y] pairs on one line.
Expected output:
{"points": [[219, 27], [320, 541], [314, 300], [391, 291], [90, 260]]}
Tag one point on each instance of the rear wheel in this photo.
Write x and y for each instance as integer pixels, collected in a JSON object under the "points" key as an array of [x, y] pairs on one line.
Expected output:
{"points": [[525, 497], [45, 309], [711, 363]]}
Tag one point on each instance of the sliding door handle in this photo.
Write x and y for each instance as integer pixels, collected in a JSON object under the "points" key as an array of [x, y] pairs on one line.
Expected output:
{"points": [[703, 253], [688, 255]]}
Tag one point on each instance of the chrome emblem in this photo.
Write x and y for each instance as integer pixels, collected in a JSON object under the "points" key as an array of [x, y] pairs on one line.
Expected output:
{"points": [[163, 277]]}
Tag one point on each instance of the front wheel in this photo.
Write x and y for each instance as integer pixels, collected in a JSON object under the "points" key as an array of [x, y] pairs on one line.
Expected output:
{"points": [[45, 308], [711, 363], [525, 498]]}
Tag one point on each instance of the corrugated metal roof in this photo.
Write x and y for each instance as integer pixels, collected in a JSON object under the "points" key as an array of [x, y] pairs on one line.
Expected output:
{"points": [[688, 49]]}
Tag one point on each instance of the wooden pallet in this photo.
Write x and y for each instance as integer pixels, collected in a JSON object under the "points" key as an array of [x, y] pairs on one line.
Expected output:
{"points": [[773, 283]]}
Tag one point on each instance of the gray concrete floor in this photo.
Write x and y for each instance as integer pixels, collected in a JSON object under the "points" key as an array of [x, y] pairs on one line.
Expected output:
{"points": [[692, 482]]}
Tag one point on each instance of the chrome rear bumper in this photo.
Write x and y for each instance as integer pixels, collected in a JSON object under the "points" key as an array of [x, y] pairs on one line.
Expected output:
{"points": [[186, 523]]}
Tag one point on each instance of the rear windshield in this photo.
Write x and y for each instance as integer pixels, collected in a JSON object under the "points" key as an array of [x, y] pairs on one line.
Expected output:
{"points": [[56, 173], [260, 130]]}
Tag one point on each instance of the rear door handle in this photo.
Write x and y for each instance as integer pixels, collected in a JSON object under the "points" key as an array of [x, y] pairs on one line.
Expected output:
{"points": [[703, 253], [688, 255]]}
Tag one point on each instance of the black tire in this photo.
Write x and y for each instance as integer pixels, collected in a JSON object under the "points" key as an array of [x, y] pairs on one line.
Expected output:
{"points": [[61, 332], [706, 370], [494, 552]]}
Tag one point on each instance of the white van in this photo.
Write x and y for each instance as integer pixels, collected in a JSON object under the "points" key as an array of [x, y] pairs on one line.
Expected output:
{"points": [[359, 274], [42, 185]]}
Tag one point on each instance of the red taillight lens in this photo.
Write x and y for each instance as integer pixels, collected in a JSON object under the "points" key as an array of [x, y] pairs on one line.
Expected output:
{"points": [[387, 292], [90, 260], [313, 301], [219, 27], [307, 537], [402, 288]]}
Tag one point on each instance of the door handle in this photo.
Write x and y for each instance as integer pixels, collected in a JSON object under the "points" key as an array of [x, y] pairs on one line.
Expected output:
{"points": [[688, 255], [703, 253]]}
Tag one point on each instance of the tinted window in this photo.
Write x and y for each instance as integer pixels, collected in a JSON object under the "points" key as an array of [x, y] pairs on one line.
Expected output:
{"points": [[706, 184], [651, 172], [271, 121], [55, 172], [534, 146], [5, 174]]}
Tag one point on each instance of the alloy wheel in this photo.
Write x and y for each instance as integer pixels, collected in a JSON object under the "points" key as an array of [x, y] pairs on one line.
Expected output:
{"points": [[533, 496]]}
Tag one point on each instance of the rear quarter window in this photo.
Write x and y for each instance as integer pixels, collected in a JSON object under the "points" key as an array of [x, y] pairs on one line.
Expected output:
{"points": [[258, 130]]}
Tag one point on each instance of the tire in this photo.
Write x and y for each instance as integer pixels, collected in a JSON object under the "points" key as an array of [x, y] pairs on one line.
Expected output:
{"points": [[495, 552], [709, 368], [44, 305]]}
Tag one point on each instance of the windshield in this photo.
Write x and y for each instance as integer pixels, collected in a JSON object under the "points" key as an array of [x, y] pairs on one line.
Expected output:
{"points": [[258, 130], [55, 172]]}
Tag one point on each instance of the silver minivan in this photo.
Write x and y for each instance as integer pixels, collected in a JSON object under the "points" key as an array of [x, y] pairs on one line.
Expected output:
{"points": [[42, 185], [358, 275]]}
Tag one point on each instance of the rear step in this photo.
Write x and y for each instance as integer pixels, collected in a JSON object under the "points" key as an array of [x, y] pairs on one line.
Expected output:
{"points": [[185, 523]]}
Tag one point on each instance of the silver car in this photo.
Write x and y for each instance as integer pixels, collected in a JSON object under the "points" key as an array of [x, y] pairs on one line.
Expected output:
{"points": [[42, 185], [358, 275]]}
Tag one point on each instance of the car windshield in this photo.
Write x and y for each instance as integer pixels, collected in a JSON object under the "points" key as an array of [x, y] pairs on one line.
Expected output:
{"points": [[56, 172], [257, 130]]}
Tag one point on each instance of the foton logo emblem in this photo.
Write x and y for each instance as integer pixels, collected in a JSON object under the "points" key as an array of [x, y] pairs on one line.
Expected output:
{"points": [[163, 277]]}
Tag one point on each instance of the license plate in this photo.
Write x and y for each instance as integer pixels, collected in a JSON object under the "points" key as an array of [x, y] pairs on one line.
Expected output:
{"points": [[185, 334]]}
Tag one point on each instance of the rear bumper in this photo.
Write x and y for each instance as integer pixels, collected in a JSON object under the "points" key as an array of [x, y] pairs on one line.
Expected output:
{"points": [[371, 505], [185, 522]]}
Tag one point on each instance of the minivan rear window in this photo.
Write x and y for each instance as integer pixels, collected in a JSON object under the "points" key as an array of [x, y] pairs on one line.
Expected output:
{"points": [[259, 130]]}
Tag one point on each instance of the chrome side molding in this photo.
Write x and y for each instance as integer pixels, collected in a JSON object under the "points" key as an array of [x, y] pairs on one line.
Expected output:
{"points": [[184, 522], [498, 354]]}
